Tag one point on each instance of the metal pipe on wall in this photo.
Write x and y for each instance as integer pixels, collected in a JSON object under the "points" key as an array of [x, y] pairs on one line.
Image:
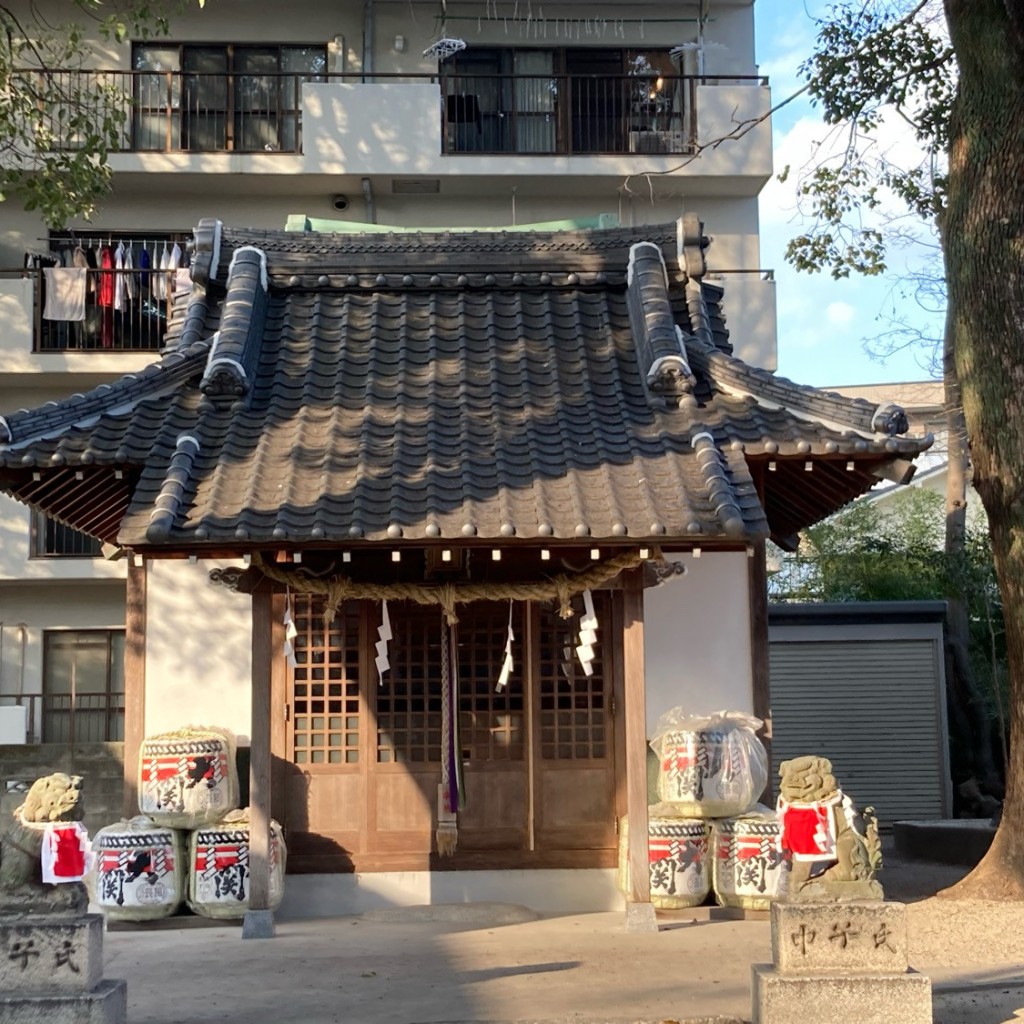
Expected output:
{"points": [[368, 35], [369, 201]]}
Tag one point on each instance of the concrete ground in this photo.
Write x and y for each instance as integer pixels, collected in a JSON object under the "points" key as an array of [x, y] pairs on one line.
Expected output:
{"points": [[410, 969]]}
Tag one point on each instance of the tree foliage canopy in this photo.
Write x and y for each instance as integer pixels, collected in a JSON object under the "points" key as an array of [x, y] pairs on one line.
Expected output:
{"points": [[872, 61], [58, 126], [895, 552]]}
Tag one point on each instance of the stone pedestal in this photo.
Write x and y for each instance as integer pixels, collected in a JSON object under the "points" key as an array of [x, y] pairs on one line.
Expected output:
{"points": [[51, 972], [836, 962]]}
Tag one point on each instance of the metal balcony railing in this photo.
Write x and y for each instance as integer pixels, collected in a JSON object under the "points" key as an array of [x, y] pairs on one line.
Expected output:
{"points": [[556, 114], [137, 327], [569, 114], [61, 718]]}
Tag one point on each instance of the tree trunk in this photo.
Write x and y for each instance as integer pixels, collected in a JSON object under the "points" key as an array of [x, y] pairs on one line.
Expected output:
{"points": [[983, 244], [968, 713]]}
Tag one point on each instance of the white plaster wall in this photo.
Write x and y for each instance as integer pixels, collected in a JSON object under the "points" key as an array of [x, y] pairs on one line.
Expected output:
{"points": [[27, 609], [697, 638], [749, 304], [15, 544], [198, 649], [344, 133], [236, 21], [17, 296]]}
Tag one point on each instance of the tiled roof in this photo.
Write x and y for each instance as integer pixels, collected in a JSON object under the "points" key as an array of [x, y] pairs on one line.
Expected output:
{"points": [[324, 389]]}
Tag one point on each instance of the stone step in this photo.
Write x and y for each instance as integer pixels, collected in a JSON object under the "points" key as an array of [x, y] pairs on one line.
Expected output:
{"points": [[107, 1003], [840, 998], [50, 954], [866, 936]]}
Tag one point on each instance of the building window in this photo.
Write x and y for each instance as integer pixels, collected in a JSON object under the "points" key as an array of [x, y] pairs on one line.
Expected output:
{"points": [[51, 539], [211, 99], [83, 686], [571, 100]]}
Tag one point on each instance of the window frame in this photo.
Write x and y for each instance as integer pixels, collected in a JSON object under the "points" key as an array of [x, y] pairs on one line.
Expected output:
{"points": [[38, 524], [175, 110], [114, 712]]}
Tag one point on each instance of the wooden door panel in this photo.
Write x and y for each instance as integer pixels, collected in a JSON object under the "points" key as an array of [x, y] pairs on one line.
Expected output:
{"points": [[333, 802], [577, 810], [497, 802], [404, 801]]}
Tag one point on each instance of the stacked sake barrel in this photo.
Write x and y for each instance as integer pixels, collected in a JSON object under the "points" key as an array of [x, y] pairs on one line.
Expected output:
{"points": [[188, 795], [707, 831]]}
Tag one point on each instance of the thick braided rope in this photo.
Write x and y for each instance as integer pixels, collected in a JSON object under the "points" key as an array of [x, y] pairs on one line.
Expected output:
{"points": [[446, 710], [561, 587]]}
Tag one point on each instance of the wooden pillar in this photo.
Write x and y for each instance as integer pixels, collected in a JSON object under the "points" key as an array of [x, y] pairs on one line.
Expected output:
{"points": [[259, 918], [134, 680], [639, 910], [757, 576]]}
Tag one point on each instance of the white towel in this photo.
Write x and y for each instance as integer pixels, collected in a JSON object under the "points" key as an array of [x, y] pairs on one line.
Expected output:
{"points": [[182, 280], [119, 278], [65, 293]]}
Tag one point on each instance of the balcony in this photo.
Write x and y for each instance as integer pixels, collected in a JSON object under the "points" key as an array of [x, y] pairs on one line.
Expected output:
{"points": [[424, 124], [108, 320], [138, 327]]}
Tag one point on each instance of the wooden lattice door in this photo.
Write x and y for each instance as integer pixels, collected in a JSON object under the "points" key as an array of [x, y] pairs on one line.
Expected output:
{"points": [[360, 757], [575, 748], [326, 739]]}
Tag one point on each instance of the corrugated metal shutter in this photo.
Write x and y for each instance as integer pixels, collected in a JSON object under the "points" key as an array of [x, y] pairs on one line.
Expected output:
{"points": [[871, 708]]}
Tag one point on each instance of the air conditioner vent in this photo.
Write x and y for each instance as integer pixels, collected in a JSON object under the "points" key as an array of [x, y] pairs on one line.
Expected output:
{"points": [[415, 186]]}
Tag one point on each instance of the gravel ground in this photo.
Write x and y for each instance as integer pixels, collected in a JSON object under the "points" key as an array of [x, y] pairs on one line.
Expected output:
{"points": [[953, 934]]}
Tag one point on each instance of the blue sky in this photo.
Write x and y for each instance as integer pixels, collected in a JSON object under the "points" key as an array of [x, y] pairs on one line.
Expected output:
{"points": [[823, 325]]}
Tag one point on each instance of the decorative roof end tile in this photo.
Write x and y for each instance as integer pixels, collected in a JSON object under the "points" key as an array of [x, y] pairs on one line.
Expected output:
{"points": [[890, 419], [206, 261], [692, 244], [660, 348], [235, 350]]}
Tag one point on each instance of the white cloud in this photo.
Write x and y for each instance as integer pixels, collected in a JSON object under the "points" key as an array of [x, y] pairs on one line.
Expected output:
{"points": [[840, 314]]}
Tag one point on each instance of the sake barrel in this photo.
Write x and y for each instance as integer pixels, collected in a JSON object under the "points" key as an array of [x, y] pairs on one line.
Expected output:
{"points": [[678, 851], [188, 777], [750, 867], [706, 773], [139, 870], [218, 877]]}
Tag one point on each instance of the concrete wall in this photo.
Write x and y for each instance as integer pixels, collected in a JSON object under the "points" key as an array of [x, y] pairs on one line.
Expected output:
{"points": [[697, 638], [101, 766], [585, 890], [729, 33], [198, 650]]}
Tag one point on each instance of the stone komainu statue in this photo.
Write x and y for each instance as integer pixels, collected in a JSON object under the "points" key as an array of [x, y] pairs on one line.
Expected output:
{"points": [[835, 850], [56, 797]]}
